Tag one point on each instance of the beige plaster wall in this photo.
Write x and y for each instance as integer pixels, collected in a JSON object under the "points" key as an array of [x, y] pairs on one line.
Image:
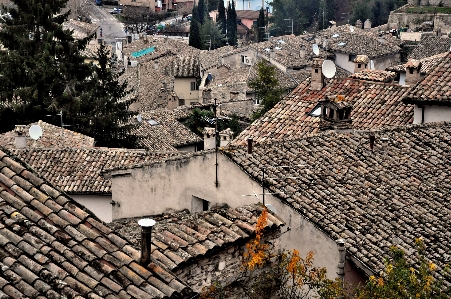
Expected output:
{"points": [[380, 63], [98, 204], [170, 186], [182, 87], [431, 114]]}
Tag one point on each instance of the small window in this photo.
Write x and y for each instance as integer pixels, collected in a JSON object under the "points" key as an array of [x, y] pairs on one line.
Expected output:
{"points": [[411, 70], [256, 100], [194, 86], [352, 57], [199, 205], [316, 71], [359, 65], [181, 102], [243, 58], [316, 111]]}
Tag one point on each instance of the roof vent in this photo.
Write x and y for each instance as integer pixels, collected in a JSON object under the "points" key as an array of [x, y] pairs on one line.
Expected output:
{"points": [[146, 239]]}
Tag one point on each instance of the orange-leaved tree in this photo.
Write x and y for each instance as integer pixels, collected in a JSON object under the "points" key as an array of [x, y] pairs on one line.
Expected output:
{"points": [[270, 273]]}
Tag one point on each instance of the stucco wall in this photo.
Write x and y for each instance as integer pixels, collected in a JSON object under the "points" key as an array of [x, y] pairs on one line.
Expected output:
{"points": [[380, 63], [182, 87], [431, 114], [235, 60], [342, 60], [170, 186], [98, 204]]}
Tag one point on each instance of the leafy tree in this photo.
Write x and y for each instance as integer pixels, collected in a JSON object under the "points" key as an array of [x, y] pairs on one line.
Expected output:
{"points": [[269, 274], [231, 25], [194, 35], [326, 13], [199, 119], [103, 112], [41, 69], [361, 11], [221, 19], [380, 13], [304, 13], [399, 280], [266, 87]]}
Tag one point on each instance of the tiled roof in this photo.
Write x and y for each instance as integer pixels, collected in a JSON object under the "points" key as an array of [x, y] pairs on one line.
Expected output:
{"points": [[178, 238], [160, 130], [50, 247], [78, 171], [361, 59], [435, 87], [375, 105], [426, 64], [430, 46], [247, 14], [374, 75], [371, 199], [184, 66], [52, 137]]}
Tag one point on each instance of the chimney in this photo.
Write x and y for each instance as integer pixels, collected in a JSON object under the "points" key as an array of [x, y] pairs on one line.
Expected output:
{"points": [[413, 74], [361, 62], [367, 24], [372, 139], [302, 52], [317, 74], [272, 53], [20, 140], [341, 259], [146, 239], [209, 138], [249, 146], [225, 137], [358, 24], [384, 142]]}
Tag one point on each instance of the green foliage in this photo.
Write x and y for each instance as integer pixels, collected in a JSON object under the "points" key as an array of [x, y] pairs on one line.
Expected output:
{"points": [[361, 11], [377, 11], [201, 11], [232, 36], [199, 119], [211, 36], [194, 36], [221, 19], [266, 87], [103, 112], [213, 4], [399, 280], [259, 29]]}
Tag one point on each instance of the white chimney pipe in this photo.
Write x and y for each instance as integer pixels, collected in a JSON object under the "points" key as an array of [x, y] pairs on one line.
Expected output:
{"points": [[146, 239]]}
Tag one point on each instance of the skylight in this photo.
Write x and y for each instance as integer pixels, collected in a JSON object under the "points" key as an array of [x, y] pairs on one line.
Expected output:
{"points": [[153, 122], [342, 44]]}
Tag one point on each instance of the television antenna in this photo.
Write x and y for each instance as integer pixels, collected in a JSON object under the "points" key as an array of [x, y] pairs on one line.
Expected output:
{"points": [[35, 132], [315, 49], [328, 68]]}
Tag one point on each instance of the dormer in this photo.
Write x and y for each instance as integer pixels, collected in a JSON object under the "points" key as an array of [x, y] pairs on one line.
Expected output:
{"points": [[335, 113], [361, 62], [413, 68], [317, 74]]}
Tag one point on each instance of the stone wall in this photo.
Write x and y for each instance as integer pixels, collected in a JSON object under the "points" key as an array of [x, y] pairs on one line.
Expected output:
{"points": [[446, 3], [222, 266], [442, 21]]}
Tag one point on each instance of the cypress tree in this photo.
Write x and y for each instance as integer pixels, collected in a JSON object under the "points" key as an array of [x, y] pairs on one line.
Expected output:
{"points": [[231, 25], [194, 34], [41, 66], [260, 26], [221, 20], [201, 11]]}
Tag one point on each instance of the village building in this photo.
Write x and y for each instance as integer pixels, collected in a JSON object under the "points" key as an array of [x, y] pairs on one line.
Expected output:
{"points": [[51, 247], [431, 46]]}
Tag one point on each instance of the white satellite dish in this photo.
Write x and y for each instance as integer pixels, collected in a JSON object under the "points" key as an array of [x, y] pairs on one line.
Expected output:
{"points": [[328, 68], [315, 49], [351, 28], [371, 65], [35, 132], [139, 118]]}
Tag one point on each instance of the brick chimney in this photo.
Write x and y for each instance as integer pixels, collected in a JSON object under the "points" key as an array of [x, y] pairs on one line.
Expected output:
{"points": [[317, 74], [225, 137], [413, 68], [359, 24], [361, 62], [302, 52], [146, 239], [20, 141], [209, 138]]}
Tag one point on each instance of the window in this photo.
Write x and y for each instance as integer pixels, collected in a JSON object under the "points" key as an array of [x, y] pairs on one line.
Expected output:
{"points": [[199, 205], [316, 71], [411, 70], [359, 65], [181, 102], [316, 111], [194, 86], [243, 58], [352, 57]]}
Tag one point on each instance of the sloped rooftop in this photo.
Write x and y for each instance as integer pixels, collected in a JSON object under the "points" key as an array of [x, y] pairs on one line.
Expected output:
{"points": [[50, 247], [430, 46], [179, 238], [372, 199], [427, 64]]}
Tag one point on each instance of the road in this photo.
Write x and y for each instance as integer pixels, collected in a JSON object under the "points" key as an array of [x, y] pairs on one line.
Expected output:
{"points": [[111, 27]]}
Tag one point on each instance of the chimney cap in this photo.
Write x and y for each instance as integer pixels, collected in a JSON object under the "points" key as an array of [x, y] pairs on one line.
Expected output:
{"points": [[146, 222], [340, 242]]}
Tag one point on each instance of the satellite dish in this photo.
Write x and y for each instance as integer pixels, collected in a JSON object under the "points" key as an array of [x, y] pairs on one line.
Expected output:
{"points": [[35, 132], [315, 49], [139, 118], [328, 68], [371, 65], [351, 28]]}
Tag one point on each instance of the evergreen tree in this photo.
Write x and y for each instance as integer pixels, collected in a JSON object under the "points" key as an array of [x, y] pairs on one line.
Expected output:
{"points": [[212, 37], [231, 25], [104, 113], [260, 31], [201, 11], [194, 34], [41, 68], [361, 12], [326, 13], [221, 19], [213, 4]]}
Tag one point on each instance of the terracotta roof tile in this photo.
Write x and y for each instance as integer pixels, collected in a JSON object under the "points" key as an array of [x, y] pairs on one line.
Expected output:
{"points": [[45, 257], [430, 46]]}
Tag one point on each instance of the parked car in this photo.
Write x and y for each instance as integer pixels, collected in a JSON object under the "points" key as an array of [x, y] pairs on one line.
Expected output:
{"points": [[116, 10]]}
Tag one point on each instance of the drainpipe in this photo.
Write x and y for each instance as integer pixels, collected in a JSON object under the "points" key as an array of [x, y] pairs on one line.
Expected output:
{"points": [[422, 114], [341, 259], [146, 239]]}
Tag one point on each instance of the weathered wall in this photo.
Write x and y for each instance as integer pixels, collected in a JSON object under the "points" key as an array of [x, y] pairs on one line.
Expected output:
{"points": [[98, 204], [240, 108], [187, 148], [223, 266], [446, 3], [431, 114], [442, 21], [383, 62], [170, 186], [235, 60], [342, 60], [182, 87]]}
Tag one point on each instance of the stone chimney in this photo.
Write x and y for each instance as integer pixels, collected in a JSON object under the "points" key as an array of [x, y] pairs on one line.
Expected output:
{"points": [[146, 239], [272, 53], [367, 24], [358, 24], [20, 140], [341, 259], [225, 137], [361, 62], [302, 52], [413, 68], [317, 74], [209, 138]]}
